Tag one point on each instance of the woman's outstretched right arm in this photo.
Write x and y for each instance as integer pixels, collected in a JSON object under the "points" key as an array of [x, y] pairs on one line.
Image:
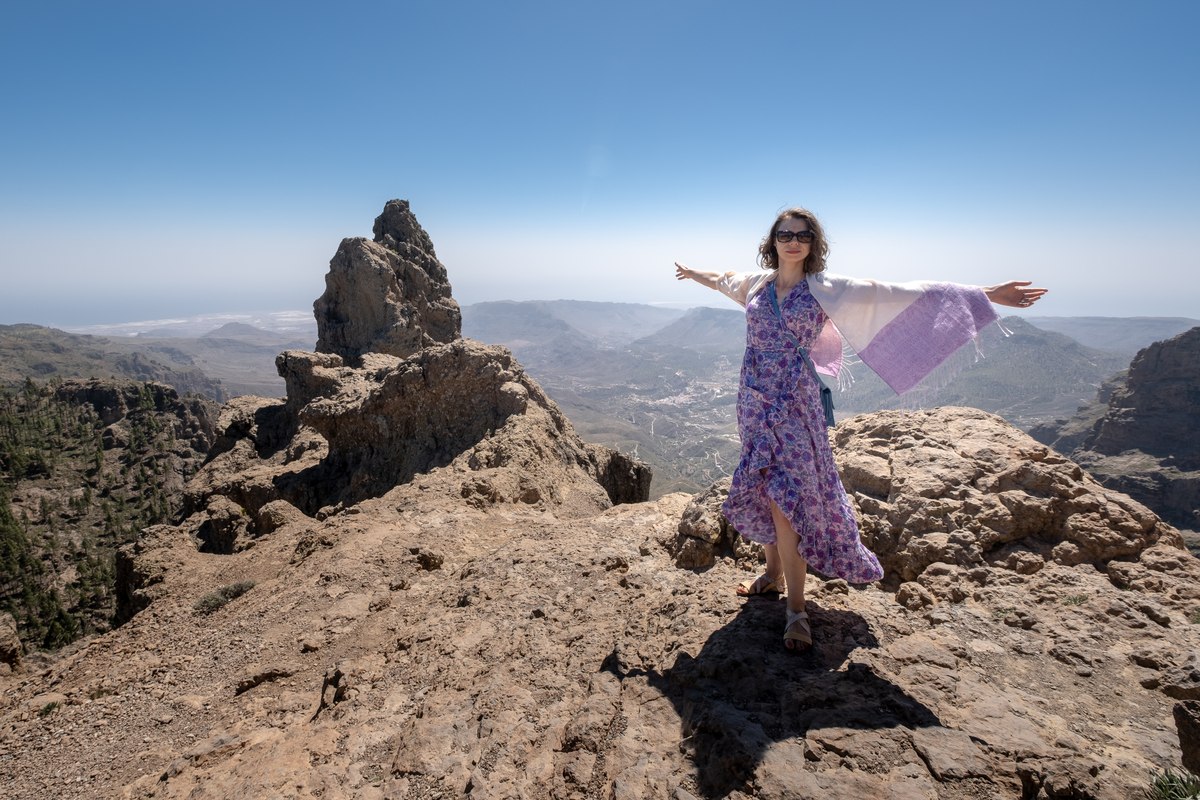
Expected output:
{"points": [[708, 279]]}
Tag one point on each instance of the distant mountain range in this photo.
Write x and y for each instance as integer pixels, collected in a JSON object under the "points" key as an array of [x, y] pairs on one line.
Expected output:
{"points": [[660, 383], [668, 394], [1123, 335], [230, 360]]}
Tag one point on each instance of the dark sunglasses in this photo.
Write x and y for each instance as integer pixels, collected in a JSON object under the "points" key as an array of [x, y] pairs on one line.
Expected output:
{"points": [[800, 236]]}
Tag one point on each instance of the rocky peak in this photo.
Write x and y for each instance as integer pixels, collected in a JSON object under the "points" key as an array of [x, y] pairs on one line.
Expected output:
{"points": [[397, 229], [390, 295], [1157, 405], [394, 393]]}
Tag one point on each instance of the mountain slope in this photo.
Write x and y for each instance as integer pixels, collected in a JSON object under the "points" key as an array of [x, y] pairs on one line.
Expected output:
{"points": [[707, 330], [1123, 335], [32, 351]]}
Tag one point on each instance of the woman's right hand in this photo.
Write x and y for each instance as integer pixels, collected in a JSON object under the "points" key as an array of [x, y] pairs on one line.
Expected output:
{"points": [[686, 273]]}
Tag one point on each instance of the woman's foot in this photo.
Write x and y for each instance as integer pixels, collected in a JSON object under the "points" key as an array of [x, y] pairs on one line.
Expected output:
{"points": [[763, 584], [797, 635]]}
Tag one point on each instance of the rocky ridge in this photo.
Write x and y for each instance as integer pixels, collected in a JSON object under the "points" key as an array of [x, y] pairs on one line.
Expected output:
{"points": [[392, 393], [1141, 437], [457, 635]]}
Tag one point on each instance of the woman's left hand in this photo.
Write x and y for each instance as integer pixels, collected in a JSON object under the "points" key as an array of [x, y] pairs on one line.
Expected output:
{"points": [[1014, 293]]}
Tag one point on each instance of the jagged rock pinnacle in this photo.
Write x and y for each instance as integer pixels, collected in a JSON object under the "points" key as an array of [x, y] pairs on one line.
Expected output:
{"points": [[389, 296]]}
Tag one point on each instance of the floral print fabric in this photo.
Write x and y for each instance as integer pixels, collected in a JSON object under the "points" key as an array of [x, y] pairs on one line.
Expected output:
{"points": [[785, 445]]}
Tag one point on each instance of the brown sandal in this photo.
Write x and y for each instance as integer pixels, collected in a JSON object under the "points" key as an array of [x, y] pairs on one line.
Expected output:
{"points": [[797, 635], [763, 584]]}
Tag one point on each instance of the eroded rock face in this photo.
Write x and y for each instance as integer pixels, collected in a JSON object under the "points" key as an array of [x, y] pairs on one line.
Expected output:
{"points": [[10, 643], [390, 295], [463, 405], [1158, 405], [193, 421], [1140, 441]]}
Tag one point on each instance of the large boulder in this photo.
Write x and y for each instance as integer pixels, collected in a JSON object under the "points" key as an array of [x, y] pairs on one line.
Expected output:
{"points": [[961, 487]]}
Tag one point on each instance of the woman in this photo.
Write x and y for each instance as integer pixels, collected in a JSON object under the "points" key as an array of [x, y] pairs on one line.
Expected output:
{"points": [[785, 492]]}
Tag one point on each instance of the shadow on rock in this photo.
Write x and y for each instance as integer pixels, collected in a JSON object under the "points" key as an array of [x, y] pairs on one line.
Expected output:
{"points": [[744, 691]]}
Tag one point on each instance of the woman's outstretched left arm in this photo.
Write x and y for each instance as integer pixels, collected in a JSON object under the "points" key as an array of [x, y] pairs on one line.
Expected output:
{"points": [[1014, 293]]}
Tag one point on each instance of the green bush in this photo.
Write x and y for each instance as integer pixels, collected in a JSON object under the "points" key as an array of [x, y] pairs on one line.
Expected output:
{"points": [[1172, 785], [216, 600]]}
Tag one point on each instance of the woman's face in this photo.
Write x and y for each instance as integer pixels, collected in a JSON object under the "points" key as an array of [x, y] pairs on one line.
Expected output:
{"points": [[792, 253]]}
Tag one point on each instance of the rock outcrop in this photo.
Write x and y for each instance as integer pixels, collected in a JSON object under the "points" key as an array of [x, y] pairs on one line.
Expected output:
{"points": [[1152, 412], [390, 295], [1142, 442], [192, 418], [394, 393]]}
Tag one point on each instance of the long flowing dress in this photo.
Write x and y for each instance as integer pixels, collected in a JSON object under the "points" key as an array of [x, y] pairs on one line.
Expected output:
{"points": [[786, 457]]}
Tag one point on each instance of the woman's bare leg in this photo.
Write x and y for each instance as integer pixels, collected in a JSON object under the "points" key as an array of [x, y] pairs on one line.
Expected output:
{"points": [[792, 563], [794, 569], [774, 565]]}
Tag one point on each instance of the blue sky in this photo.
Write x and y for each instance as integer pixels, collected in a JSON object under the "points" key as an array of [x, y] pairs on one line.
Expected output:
{"points": [[162, 159]]}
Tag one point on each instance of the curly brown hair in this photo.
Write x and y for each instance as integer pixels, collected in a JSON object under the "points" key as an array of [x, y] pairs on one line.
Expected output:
{"points": [[768, 258]]}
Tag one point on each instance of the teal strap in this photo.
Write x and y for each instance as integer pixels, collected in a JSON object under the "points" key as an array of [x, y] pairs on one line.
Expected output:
{"points": [[826, 392]]}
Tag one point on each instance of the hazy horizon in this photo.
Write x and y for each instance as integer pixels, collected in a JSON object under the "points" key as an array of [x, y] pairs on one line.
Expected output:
{"points": [[293, 321]]}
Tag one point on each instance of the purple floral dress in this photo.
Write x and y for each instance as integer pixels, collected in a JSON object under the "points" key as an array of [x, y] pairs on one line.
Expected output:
{"points": [[785, 445]]}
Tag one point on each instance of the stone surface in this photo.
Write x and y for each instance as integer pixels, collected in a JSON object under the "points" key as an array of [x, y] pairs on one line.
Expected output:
{"points": [[959, 486], [1139, 439], [390, 295], [705, 535]]}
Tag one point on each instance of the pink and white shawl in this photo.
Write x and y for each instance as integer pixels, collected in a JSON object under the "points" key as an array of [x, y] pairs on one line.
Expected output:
{"points": [[900, 330]]}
